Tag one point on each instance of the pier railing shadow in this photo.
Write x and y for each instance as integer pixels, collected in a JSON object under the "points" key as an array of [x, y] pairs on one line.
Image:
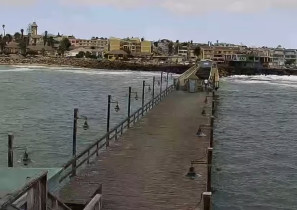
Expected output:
{"points": [[76, 163]]}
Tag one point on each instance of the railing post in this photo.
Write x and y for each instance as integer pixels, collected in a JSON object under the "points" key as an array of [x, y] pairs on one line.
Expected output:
{"points": [[143, 87], [129, 106], [122, 129], [206, 196], [161, 84], [75, 118], [10, 150], [153, 91], [209, 166], [167, 83], [211, 130], [108, 120]]}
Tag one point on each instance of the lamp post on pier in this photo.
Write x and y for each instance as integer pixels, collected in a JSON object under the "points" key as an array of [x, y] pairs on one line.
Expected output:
{"points": [[76, 117], [10, 150], [117, 109], [129, 104], [161, 82], [143, 94]]}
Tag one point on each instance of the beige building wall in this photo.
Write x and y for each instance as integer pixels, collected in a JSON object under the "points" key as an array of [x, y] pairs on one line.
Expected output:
{"points": [[114, 44], [146, 47]]}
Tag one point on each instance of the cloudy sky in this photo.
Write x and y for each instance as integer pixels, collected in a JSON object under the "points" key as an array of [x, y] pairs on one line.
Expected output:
{"points": [[251, 22]]}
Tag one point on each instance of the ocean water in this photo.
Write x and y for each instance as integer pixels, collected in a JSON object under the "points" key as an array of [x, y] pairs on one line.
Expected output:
{"points": [[36, 105], [255, 154]]}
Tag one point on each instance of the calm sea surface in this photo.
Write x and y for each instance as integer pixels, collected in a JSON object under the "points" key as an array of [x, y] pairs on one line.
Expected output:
{"points": [[37, 103], [256, 144]]}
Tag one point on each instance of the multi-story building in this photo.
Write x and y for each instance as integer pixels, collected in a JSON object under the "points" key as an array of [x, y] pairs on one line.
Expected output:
{"points": [[183, 50], [146, 47], [291, 57], [98, 43], [114, 44], [278, 57], [133, 46]]}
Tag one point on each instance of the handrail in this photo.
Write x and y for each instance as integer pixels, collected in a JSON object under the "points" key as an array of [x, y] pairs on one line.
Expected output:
{"points": [[95, 203], [96, 145]]}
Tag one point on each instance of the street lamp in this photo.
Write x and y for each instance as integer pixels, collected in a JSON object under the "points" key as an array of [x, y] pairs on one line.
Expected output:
{"points": [[25, 159], [143, 94], [117, 109], [86, 126], [129, 103]]}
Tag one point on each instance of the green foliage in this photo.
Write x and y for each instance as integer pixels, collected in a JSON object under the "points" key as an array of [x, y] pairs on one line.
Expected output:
{"points": [[17, 36], [170, 48], [88, 54], [197, 51], [45, 38], [2, 43], [23, 46], [64, 46], [81, 54], [8, 38], [32, 52]]}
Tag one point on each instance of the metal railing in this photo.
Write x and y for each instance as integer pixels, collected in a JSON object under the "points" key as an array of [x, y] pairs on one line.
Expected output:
{"points": [[69, 169]]}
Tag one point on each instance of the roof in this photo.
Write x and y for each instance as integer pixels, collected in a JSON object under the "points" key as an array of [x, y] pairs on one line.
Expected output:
{"points": [[117, 52]]}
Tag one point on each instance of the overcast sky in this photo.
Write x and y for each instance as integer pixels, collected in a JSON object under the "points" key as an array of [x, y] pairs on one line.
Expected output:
{"points": [[251, 22]]}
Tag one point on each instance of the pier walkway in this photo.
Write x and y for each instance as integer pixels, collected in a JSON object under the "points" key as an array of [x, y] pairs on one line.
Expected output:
{"points": [[146, 167]]}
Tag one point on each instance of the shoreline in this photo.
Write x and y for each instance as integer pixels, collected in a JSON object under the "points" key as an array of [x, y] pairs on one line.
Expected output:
{"points": [[92, 64]]}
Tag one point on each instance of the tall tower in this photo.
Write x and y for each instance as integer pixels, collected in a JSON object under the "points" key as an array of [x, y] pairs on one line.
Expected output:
{"points": [[34, 29]]}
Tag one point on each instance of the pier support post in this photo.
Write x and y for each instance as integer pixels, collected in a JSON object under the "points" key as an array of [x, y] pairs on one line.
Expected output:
{"points": [[10, 150], [206, 196], [75, 118], [129, 106], [209, 166]]}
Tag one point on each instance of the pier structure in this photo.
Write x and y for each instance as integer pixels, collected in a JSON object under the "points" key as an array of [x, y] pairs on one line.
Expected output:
{"points": [[159, 157]]}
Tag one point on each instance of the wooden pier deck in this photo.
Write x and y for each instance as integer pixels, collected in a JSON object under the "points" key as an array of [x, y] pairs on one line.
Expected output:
{"points": [[146, 167]]}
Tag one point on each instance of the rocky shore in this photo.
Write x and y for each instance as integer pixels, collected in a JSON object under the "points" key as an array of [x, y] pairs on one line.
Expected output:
{"points": [[226, 71], [92, 63]]}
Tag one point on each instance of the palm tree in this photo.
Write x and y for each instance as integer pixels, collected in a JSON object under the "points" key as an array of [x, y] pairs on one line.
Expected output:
{"points": [[8, 38], [51, 41], [197, 52], [17, 36], [22, 32], [45, 38], [3, 26]]}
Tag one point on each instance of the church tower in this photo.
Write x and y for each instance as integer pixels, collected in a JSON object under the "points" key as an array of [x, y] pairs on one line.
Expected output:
{"points": [[34, 29]]}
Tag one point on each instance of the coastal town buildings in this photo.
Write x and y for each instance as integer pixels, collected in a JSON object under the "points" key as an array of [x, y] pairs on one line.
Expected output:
{"points": [[291, 57], [96, 43], [163, 51]]}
